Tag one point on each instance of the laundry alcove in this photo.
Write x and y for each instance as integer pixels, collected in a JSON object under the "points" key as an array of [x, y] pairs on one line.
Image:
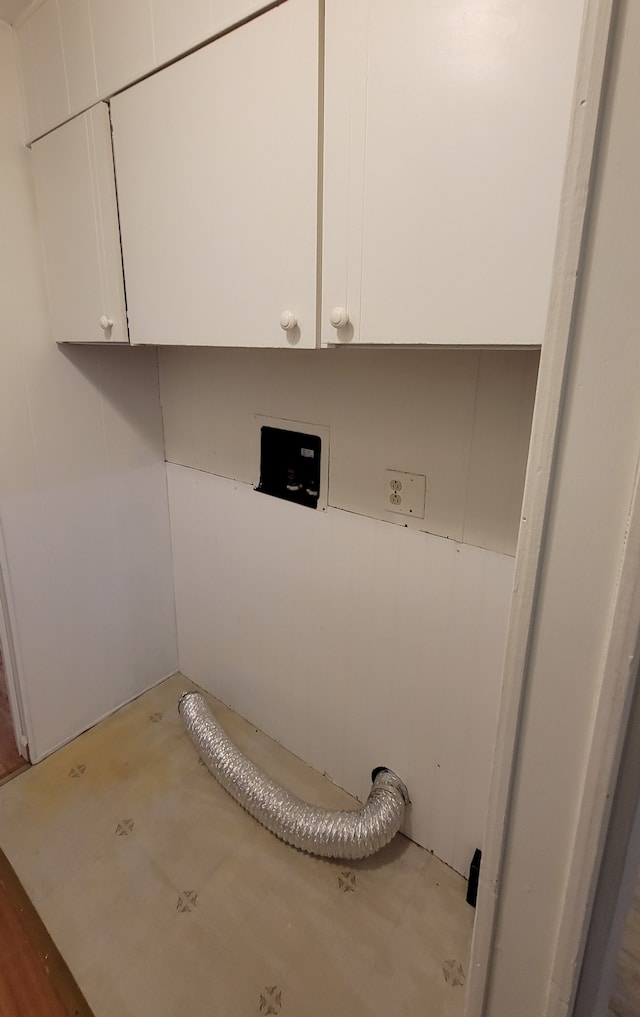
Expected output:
{"points": [[355, 635]]}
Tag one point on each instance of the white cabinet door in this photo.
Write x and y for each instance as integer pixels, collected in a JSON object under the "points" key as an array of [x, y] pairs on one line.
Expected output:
{"points": [[179, 26], [446, 127], [78, 215], [216, 164]]}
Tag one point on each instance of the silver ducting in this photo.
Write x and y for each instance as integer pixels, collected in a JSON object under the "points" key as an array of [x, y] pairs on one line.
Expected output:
{"points": [[333, 834]]}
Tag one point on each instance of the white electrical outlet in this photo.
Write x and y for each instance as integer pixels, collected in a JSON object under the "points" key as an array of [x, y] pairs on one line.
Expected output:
{"points": [[405, 493]]}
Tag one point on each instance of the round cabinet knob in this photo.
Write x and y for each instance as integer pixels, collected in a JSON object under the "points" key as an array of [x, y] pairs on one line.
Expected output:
{"points": [[339, 317], [105, 323], [288, 321]]}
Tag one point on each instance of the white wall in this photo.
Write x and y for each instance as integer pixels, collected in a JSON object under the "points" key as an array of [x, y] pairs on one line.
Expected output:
{"points": [[461, 417], [352, 642], [83, 503]]}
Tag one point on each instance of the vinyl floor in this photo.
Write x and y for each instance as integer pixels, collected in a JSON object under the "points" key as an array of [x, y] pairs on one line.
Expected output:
{"points": [[166, 899]]}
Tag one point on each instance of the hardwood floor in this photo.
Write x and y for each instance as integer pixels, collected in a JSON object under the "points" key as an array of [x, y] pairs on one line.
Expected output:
{"points": [[10, 759], [34, 979]]}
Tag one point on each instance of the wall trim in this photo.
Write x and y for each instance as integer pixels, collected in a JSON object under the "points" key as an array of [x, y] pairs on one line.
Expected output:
{"points": [[10, 656], [537, 495]]}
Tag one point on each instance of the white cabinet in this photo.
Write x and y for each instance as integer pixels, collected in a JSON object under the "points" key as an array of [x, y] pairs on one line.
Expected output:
{"points": [[77, 209], [445, 135], [446, 128], [179, 26], [74, 52], [216, 163]]}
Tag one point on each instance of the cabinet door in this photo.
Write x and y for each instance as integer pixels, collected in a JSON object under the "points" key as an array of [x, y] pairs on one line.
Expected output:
{"points": [[446, 127], [179, 27], [78, 215], [216, 163]]}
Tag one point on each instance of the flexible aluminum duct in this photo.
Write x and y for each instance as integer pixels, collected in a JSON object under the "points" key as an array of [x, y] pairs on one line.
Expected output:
{"points": [[332, 834]]}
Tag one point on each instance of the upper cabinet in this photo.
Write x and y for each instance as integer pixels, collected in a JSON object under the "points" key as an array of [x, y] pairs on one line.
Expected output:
{"points": [[443, 148], [216, 164], [74, 52], [77, 210], [445, 136]]}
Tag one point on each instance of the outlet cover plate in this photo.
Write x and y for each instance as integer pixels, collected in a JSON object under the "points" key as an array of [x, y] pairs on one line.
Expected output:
{"points": [[405, 493]]}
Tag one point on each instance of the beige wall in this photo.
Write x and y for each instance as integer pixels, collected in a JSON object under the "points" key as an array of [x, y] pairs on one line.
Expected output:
{"points": [[461, 417], [83, 501]]}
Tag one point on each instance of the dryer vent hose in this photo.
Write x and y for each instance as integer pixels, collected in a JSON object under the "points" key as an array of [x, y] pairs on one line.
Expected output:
{"points": [[352, 834]]}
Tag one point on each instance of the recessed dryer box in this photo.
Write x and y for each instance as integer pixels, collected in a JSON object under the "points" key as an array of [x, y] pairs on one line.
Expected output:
{"points": [[293, 461]]}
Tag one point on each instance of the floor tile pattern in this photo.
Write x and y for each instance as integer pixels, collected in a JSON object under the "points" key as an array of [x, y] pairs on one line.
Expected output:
{"points": [[192, 909]]}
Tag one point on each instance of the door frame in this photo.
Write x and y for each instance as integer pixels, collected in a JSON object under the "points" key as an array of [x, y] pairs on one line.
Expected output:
{"points": [[504, 940], [10, 656]]}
